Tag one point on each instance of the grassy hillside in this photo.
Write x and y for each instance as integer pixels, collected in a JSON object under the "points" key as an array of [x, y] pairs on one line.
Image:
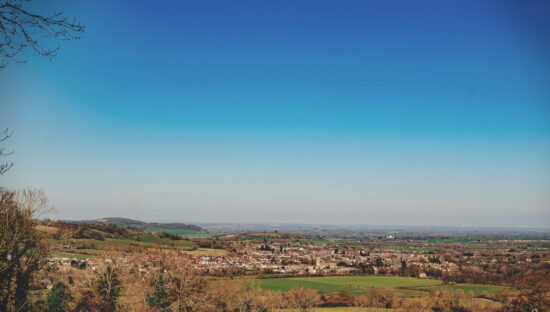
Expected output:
{"points": [[181, 232], [476, 289], [87, 240], [337, 283], [141, 225]]}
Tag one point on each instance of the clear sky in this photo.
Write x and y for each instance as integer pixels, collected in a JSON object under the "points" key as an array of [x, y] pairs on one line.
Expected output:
{"points": [[352, 112]]}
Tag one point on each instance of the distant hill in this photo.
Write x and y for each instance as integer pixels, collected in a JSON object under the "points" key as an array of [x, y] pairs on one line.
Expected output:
{"points": [[142, 225]]}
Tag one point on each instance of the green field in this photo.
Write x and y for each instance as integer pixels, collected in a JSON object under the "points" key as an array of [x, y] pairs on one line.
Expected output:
{"points": [[89, 247], [184, 233], [476, 289], [403, 292], [126, 243], [337, 283], [70, 255], [152, 238]]}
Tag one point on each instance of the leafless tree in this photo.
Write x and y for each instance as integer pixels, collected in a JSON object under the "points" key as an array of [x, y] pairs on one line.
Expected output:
{"points": [[235, 296], [21, 29], [4, 135], [302, 299], [23, 251]]}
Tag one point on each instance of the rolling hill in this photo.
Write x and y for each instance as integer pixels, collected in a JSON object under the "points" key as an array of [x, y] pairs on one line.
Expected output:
{"points": [[142, 225]]}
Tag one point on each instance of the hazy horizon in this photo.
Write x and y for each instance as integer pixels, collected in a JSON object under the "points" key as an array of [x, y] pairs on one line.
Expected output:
{"points": [[391, 113], [324, 226]]}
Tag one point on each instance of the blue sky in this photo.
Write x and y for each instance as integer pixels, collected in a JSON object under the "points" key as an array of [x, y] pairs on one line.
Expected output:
{"points": [[390, 112]]}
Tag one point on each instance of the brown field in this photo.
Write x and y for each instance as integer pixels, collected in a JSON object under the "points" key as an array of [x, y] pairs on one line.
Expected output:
{"points": [[207, 252], [47, 229]]}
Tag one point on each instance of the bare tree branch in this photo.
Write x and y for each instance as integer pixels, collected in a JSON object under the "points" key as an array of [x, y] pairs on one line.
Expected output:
{"points": [[20, 29], [4, 135]]}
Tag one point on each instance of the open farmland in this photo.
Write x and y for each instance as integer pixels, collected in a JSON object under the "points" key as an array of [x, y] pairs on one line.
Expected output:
{"points": [[476, 289], [89, 247], [337, 283], [181, 232], [207, 252], [348, 272], [403, 292]]}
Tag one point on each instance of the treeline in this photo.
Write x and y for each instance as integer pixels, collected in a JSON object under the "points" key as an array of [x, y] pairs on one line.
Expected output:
{"points": [[140, 225], [63, 230]]}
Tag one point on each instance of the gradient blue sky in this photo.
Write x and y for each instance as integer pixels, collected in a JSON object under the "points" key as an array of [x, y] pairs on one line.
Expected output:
{"points": [[388, 112]]}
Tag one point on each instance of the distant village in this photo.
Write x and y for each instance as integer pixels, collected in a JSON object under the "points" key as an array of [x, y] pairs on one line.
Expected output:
{"points": [[304, 257], [300, 258]]}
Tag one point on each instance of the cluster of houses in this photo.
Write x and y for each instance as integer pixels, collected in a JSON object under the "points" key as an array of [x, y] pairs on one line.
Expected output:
{"points": [[309, 258], [304, 257]]}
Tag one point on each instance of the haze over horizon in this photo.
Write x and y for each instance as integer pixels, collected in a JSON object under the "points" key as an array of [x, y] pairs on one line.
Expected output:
{"points": [[318, 112]]}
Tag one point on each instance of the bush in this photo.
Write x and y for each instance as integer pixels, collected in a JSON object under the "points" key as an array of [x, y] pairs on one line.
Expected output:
{"points": [[109, 289], [23, 253], [58, 298], [159, 299]]}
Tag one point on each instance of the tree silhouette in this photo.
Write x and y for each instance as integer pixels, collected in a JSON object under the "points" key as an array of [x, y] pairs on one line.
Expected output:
{"points": [[4, 135], [109, 288], [21, 29], [57, 300], [23, 250]]}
